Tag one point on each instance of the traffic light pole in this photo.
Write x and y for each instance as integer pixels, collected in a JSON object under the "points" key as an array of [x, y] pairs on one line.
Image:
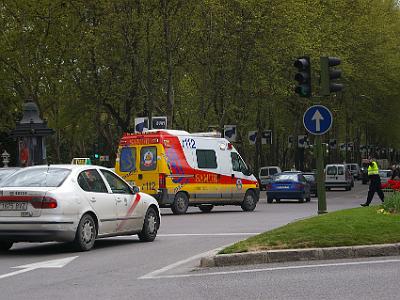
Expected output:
{"points": [[320, 176]]}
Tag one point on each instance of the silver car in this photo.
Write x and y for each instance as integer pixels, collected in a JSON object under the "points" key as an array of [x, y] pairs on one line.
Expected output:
{"points": [[73, 203]]}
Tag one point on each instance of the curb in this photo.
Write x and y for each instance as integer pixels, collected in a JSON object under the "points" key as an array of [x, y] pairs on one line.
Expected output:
{"points": [[275, 256]]}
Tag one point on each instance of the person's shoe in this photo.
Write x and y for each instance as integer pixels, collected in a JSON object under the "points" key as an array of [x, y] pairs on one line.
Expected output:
{"points": [[364, 204]]}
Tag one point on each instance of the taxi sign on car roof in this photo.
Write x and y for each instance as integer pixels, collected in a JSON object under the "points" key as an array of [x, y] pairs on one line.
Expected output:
{"points": [[81, 161]]}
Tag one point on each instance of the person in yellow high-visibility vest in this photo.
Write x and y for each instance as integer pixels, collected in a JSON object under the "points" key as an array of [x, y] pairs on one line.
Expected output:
{"points": [[374, 182]]}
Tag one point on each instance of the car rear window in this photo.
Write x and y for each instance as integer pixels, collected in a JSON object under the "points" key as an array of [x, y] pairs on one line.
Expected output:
{"points": [[264, 172], [309, 177], [284, 177], [37, 177], [5, 172], [273, 171], [331, 170]]}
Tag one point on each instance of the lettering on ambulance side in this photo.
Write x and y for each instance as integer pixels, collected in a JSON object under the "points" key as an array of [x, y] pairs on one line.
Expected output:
{"points": [[206, 178], [189, 143], [149, 186]]}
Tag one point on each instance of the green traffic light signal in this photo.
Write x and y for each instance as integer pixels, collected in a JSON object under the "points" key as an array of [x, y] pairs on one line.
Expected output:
{"points": [[303, 76], [328, 75], [96, 155]]}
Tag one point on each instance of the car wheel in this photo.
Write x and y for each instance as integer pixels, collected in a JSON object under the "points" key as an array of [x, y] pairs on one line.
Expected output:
{"points": [[269, 199], [86, 233], [308, 199], [348, 188], [301, 200], [150, 226], [181, 204], [206, 208], [5, 246], [249, 202]]}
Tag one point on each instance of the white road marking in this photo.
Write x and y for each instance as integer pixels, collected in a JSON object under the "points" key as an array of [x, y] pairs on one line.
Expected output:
{"points": [[208, 234], [154, 274], [195, 234], [54, 263]]}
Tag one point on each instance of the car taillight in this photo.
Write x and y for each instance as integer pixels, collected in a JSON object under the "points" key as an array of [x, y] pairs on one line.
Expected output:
{"points": [[162, 181], [298, 186], [44, 203], [268, 186]]}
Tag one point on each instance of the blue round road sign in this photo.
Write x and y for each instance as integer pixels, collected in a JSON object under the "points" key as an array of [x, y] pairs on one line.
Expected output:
{"points": [[317, 119]]}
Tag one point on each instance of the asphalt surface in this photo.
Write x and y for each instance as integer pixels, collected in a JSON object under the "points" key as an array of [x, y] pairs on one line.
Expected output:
{"points": [[124, 268]]}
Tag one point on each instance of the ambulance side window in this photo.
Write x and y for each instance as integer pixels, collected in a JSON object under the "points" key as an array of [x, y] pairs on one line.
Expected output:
{"points": [[148, 158], [238, 164], [206, 159], [235, 162], [127, 160]]}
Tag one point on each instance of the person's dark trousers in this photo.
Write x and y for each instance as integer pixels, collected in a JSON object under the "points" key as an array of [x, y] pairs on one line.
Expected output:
{"points": [[374, 186]]}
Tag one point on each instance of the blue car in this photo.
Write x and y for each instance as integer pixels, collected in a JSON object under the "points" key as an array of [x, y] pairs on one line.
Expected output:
{"points": [[288, 185]]}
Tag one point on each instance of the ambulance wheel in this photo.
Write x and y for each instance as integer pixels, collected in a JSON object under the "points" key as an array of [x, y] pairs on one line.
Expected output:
{"points": [[249, 202], [206, 208], [181, 204]]}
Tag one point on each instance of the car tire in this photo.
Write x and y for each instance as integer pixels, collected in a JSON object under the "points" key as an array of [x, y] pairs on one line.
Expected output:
{"points": [[301, 200], [5, 245], [181, 204], [206, 208], [270, 200], [86, 233], [249, 202], [308, 199], [151, 224]]}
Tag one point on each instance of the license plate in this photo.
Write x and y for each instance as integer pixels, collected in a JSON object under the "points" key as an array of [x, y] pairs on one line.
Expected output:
{"points": [[282, 187], [13, 206]]}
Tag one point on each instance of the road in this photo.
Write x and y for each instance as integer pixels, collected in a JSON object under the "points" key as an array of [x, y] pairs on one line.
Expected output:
{"points": [[124, 268]]}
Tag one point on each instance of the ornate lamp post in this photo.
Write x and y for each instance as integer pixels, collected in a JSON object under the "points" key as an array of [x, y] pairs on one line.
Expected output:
{"points": [[6, 158], [30, 133]]}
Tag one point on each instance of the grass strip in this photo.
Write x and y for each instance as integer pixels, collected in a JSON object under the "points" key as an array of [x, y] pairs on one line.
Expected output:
{"points": [[350, 227]]}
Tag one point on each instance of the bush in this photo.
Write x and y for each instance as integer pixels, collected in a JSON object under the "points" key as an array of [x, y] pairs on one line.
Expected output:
{"points": [[392, 203]]}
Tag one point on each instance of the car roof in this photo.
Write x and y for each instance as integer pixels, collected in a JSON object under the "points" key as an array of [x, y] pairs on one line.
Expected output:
{"points": [[67, 166]]}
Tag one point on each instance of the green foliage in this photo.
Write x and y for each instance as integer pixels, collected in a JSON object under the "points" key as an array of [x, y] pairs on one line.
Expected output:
{"points": [[392, 203], [360, 226], [93, 66]]}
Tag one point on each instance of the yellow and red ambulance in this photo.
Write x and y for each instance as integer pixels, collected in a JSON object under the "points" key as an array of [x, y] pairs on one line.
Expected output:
{"points": [[181, 169]]}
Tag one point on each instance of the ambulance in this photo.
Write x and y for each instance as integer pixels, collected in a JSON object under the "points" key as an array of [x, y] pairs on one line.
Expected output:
{"points": [[181, 169]]}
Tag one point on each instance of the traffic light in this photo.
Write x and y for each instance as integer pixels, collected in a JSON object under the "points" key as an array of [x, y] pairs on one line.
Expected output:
{"points": [[303, 76], [328, 75], [95, 150]]}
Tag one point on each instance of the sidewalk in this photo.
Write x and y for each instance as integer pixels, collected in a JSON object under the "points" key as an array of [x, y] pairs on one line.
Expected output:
{"points": [[274, 256]]}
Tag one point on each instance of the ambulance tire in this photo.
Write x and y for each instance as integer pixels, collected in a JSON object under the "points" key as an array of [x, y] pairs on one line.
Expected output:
{"points": [[249, 202], [181, 204], [206, 208]]}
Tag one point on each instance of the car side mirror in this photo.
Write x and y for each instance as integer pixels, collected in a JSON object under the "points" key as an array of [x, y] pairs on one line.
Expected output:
{"points": [[135, 189]]}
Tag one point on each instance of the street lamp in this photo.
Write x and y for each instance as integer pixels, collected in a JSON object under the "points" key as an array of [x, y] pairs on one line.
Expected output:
{"points": [[6, 158]]}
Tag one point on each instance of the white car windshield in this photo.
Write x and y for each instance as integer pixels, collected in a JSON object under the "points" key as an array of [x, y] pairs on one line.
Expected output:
{"points": [[37, 177]]}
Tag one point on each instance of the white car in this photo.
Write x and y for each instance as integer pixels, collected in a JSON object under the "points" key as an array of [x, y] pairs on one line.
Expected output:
{"points": [[73, 203]]}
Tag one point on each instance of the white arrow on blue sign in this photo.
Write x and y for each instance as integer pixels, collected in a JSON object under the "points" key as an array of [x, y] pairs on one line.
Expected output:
{"points": [[317, 119]]}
